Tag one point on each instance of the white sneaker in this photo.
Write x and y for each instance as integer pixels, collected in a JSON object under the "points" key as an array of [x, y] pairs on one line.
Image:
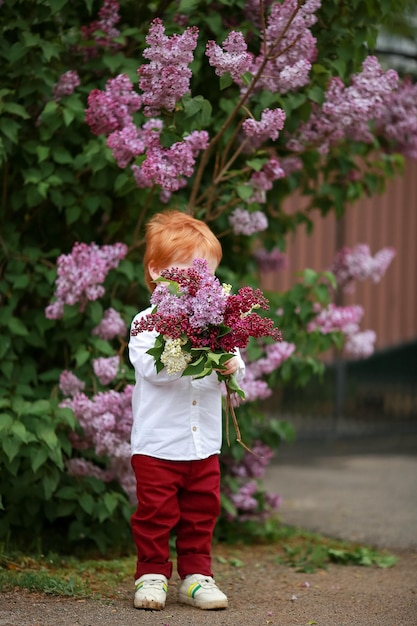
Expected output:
{"points": [[202, 592], [151, 592]]}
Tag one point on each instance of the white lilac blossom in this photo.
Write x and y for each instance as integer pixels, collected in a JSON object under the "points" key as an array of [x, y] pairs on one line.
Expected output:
{"points": [[106, 368], [244, 222], [81, 275], [111, 326], [173, 357], [357, 263]]}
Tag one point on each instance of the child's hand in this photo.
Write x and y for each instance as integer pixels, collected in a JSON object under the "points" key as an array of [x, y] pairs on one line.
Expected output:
{"points": [[230, 367]]}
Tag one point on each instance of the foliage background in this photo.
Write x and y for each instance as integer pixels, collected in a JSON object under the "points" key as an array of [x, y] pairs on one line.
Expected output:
{"points": [[61, 185]]}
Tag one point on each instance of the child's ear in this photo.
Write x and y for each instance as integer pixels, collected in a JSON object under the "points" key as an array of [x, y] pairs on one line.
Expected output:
{"points": [[153, 271]]}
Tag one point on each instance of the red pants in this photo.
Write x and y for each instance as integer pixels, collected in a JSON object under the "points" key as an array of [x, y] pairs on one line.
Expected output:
{"points": [[180, 495]]}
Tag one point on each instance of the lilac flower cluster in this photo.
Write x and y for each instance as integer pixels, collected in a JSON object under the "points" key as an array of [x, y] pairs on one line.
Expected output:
{"points": [[271, 122], [357, 263], [70, 384], [359, 344], [81, 275], [248, 472], [166, 79], [103, 31], [244, 222], [270, 261], [398, 123], [346, 111], [112, 109], [106, 368], [234, 58], [253, 385], [262, 181], [111, 113], [336, 318], [111, 326], [289, 47], [106, 420], [68, 81], [203, 304]]}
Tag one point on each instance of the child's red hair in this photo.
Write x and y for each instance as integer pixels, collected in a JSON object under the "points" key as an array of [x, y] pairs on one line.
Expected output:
{"points": [[175, 237]]}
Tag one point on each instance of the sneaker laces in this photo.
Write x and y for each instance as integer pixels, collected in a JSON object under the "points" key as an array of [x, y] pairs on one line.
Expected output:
{"points": [[156, 583]]}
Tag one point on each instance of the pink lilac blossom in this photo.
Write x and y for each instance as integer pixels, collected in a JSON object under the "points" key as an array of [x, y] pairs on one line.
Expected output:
{"points": [[233, 58], [166, 79], [262, 181], [398, 122], [68, 81], [167, 167], [271, 122], [112, 109], [361, 344], [111, 326], [289, 48], [126, 144], [106, 368], [103, 31], [70, 384], [106, 420], [81, 467], [336, 318], [81, 275], [244, 222], [275, 354], [357, 263], [252, 11], [270, 261], [347, 111]]}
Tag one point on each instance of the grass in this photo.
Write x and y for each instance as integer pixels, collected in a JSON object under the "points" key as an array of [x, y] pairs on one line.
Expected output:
{"points": [[99, 578]]}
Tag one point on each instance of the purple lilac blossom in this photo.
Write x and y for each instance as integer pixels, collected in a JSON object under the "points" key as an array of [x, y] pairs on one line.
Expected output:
{"points": [[111, 326], [262, 181], [398, 122], [347, 111], [103, 31], [112, 109], [361, 344], [271, 122], [245, 223], [68, 81], [271, 261], [106, 368], [289, 48], [70, 384], [81, 274], [233, 58], [336, 318], [357, 263], [166, 79]]}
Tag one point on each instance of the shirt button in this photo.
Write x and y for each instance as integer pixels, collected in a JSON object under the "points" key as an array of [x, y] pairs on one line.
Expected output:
{"points": [[194, 428], [194, 402]]}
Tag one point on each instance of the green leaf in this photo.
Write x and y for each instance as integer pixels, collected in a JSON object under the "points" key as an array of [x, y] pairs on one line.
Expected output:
{"points": [[225, 80]]}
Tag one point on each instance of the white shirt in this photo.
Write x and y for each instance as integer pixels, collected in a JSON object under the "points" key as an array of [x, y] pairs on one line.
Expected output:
{"points": [[175, 417]]}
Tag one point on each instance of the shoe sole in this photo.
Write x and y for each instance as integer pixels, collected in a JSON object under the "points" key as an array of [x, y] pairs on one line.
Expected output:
{"points": [[206, 606], [149, 605]]}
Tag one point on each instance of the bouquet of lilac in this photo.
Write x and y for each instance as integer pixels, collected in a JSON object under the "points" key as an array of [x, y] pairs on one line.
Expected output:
{"points": [[200, 323]]}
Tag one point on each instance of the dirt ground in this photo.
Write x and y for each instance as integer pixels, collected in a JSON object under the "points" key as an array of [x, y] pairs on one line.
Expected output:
{"points": [[260, 592], [366, 494]]}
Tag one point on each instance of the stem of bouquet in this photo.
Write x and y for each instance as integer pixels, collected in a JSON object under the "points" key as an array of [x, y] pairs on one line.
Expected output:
{"points": [[230, 411]]}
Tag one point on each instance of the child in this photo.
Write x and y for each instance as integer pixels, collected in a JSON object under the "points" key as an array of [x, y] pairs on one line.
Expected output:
{"points": [[176, 440]]}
